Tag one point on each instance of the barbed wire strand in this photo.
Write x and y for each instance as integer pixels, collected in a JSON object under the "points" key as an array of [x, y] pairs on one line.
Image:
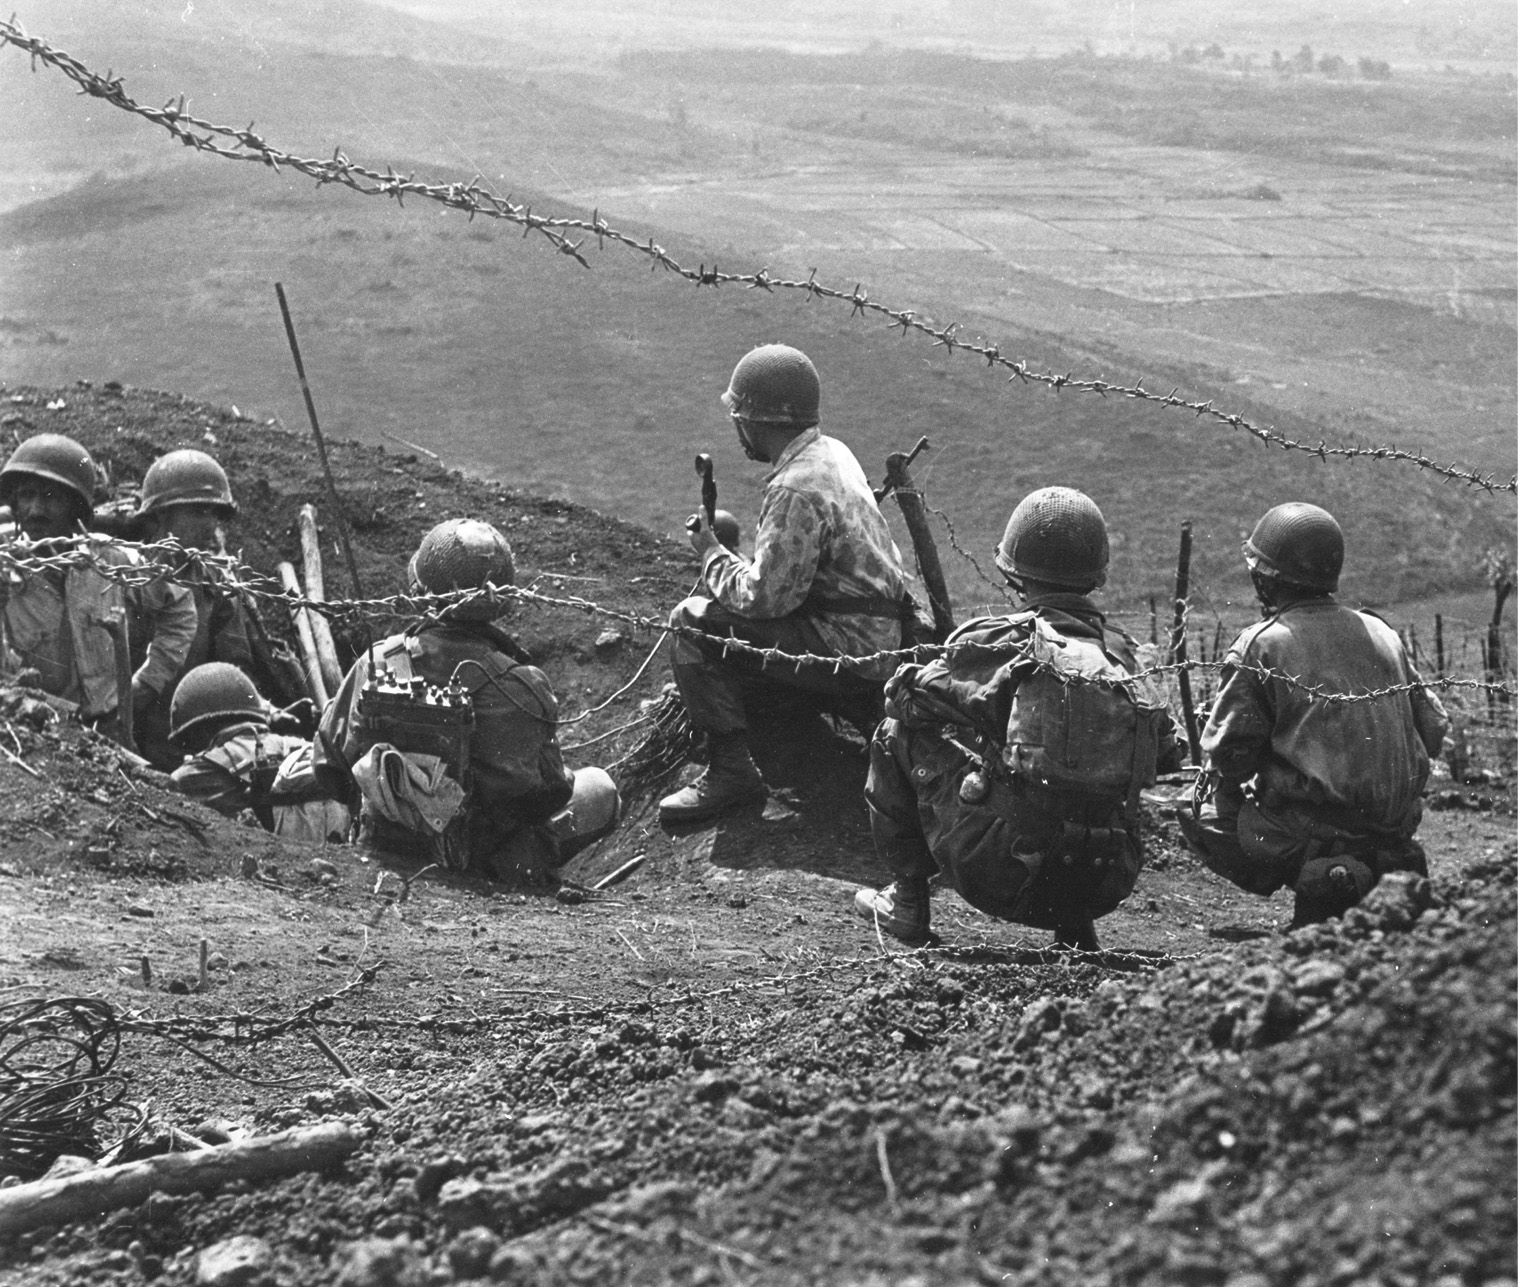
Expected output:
{"points": [[476, 200], [167, 560]]}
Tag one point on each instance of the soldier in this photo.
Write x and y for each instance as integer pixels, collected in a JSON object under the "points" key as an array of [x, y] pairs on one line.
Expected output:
{"points": [[449, 734], [186, 497], [964, 773], [235, 763], [1299, 791], [58, 621], [825, 579]]}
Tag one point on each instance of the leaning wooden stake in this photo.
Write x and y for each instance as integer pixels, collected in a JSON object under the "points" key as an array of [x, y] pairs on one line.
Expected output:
{"points": [[1178, 642], [316, 588], [302, 619], [89, 1193], [899, 481]]}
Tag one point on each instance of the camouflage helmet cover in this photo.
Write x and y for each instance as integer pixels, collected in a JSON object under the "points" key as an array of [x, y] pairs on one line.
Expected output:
{"points": [[463, 554], [1299, 543], [1056, 535], [775, 384]]}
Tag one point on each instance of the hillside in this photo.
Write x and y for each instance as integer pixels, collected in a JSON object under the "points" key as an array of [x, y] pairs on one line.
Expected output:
{"points": [[711, 1072], [1371, 303]]}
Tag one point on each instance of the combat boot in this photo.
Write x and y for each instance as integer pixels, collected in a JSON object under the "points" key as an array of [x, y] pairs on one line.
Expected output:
{"points": [[1078, 932], [1329, 887], [731, 779], [902, 909]]}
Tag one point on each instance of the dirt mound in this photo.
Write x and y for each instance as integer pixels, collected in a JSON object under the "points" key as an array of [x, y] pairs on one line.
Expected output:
{"points": [[711, 1072]]}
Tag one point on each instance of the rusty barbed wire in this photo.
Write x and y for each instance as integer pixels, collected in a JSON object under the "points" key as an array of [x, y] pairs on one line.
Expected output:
{"points": [[167, 560], [474, 199]]}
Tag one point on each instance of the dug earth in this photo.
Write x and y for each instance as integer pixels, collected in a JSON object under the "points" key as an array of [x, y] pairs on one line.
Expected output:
{"points": [[709, 1071]]}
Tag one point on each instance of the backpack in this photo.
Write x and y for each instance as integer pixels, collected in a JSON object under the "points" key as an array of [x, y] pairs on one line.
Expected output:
{"points": [[1082, 732]]}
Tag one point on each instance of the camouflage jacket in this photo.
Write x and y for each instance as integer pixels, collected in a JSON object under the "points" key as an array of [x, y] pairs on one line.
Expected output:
{"points": [[56, 624], [822, 548], [1365, 761]]}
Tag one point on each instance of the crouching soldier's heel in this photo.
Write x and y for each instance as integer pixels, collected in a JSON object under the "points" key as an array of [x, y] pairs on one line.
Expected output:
{"points": [[902, 910]]}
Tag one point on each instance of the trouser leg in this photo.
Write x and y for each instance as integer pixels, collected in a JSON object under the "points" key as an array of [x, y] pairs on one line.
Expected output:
{"points": [[712, 684], [894, 822], [1211, 829]]}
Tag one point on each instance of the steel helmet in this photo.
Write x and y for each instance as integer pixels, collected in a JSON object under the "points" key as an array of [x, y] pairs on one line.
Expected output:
{"points": [[186, 477], [1056, 535], [1300, 543], [54, 457], [462, 554], [214, 691], [775, 384]]}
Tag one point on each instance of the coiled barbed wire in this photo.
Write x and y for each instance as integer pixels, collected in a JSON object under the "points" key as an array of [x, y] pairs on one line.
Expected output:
{"points": [[57, 1090], [474, 199]]}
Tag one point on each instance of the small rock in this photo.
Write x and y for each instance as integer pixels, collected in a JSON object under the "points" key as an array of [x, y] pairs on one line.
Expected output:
{"points": [[569, 895], [713, 1086], [466, 1203], [249, 867], [321, 869], [233, 1262], [1318, 978], [964, 1065], [515, 1267], [137, 909], [609, 639], [471, 1252], [378, 1262]]}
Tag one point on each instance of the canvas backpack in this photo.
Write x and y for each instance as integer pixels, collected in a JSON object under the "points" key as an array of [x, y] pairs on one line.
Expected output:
{"points": [[1082, 731]]}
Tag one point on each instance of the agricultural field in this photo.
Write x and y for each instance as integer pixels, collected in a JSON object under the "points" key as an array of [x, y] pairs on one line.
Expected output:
{"points": [[1332, 257]]}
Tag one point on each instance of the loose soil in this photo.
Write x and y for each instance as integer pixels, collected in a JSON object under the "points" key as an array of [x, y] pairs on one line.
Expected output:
{"points": [[711, 1072]]}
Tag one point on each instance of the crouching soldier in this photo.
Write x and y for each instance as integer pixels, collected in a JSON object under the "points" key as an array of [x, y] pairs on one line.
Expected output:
{"points": [[448, 735], [825, 579], [66, 624], [186, 497], [1298, 789], [233, 762], [1014, 762]]}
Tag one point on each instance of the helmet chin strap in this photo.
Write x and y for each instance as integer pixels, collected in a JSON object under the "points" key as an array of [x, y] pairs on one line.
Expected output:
{"points": [[749, 449]]}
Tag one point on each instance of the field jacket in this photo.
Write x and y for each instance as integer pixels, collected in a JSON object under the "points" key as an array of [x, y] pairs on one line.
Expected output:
{"points": [[1360, 765], [514, 760], [822, 548], [56, 623]]}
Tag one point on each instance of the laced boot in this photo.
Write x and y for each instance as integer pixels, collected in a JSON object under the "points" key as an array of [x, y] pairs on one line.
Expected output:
{"points": [[901, 909], [731, 779]]}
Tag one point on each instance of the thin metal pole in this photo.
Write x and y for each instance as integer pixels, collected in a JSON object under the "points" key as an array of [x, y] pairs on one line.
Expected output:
{"points": [[321, 444]]}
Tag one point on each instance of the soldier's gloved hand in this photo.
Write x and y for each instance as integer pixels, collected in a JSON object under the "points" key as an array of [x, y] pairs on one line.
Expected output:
{"points": [[297, 717]]}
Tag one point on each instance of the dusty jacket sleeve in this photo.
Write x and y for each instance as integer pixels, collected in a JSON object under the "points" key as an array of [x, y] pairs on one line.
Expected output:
{"points": [[1429, 716], [787, 547], [168, 610], [1236, 741]]}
